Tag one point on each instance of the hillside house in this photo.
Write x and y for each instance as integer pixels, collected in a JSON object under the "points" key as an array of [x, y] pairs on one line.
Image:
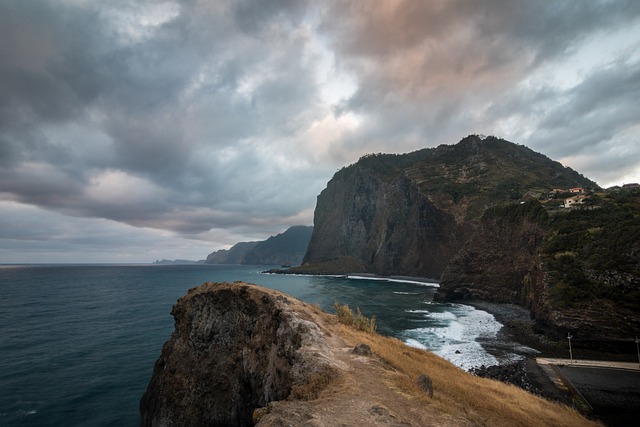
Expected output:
{"points": [[572, 201], [577, 190]]}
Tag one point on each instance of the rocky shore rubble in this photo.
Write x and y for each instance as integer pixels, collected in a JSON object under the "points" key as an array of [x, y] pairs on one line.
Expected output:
{"points": [[515, 373]]}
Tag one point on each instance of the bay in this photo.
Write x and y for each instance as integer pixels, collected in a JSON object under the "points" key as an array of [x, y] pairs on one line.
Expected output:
{"points": [[78, 342]]}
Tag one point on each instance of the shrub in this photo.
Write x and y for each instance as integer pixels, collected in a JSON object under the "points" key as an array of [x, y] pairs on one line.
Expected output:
{"points": [[356, 320]]}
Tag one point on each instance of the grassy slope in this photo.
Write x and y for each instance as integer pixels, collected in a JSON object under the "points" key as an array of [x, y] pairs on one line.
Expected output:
{"points": [[460, 395]]}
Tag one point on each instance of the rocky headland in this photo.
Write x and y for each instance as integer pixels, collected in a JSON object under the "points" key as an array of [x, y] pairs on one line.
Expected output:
{"points": [[492, 221], [242, 355]]}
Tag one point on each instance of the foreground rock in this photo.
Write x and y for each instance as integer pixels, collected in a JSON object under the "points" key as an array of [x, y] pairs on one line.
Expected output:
{"points": [[243, 355], [235, 348]]}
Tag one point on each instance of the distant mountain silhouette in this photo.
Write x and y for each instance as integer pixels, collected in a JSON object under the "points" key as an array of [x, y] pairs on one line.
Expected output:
{"points": [[287, 248]]}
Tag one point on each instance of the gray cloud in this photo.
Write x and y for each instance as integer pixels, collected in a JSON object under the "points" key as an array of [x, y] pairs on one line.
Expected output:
{"points": [[213, 122]]}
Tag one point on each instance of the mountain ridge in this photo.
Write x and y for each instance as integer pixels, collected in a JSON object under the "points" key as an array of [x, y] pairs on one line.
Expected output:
{"points": [[425, 203], [287, 248], [493, 221]]}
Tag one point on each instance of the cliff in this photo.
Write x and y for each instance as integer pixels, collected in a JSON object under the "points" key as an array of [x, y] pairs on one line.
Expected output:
{"points": [[410, 214], [233, 255], [482, 216], [500, 261], [578, 271], [241, 355], [285, 248]]}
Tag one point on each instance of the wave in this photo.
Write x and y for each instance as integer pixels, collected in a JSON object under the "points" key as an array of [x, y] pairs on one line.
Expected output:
{"points": [[457, 340], [395, 280]]}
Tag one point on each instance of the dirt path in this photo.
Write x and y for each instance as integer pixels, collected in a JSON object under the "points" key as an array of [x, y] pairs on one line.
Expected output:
{"points": [[364, 395]]}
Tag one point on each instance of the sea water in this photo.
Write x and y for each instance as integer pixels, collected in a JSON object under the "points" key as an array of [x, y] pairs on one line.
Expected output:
{"points": [[78, 342]]}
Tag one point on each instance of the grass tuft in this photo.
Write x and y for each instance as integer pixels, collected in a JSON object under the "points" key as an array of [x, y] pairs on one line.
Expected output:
{"points": [[356, 320]]}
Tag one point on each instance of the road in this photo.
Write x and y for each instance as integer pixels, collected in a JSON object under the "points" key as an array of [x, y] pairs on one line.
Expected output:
{"points": [[612, 389]]}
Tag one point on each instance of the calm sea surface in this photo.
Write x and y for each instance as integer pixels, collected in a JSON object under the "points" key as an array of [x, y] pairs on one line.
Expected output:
{"points": [[78, 342]]}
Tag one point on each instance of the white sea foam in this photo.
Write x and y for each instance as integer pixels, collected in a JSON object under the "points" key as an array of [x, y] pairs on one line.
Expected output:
{"points": [[395, 280], [458, 340], [415, 343], [406, 293]]}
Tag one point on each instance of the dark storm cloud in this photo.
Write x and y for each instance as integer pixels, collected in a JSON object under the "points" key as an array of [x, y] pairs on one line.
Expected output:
{"points": [[222, 121], [159, 96]]}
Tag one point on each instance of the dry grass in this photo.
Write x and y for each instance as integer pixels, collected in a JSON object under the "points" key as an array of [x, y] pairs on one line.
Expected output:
{"points": [[459, 394], [356, 320]]}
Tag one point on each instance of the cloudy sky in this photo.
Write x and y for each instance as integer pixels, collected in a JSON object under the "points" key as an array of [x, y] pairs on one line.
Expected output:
{"points": [[136, 130]]}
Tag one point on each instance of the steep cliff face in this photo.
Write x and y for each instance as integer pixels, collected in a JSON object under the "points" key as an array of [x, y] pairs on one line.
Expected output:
{"points": [[410, 214], [236, 347], [578, 271], [389, 227], [233, 255], [285, 248], [501, 261]]}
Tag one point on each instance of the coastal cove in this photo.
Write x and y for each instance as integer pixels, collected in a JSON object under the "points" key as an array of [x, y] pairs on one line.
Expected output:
{"points": [[80, 341]]}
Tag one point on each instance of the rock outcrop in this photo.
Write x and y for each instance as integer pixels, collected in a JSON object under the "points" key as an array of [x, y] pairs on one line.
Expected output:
{"points": [[235, 348], [242, 355], [389, 227]]}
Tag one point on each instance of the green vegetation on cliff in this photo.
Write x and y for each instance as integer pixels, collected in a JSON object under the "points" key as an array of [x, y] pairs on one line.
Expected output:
{"points": [[517, 212], [595, 252], [577, 269], [411, 213], [484, 216]]}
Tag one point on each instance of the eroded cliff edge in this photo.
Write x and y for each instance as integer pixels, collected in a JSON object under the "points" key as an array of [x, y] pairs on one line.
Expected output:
{"points": [[236, 347], [242, 355]]}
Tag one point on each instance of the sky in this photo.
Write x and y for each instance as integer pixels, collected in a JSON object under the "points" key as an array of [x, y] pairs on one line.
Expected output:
{"points": [[132, 131]]}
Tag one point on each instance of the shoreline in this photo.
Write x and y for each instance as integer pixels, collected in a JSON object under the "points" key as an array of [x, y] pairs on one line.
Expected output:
{"points": [[517, 327], [517, 333], [371, 276]]}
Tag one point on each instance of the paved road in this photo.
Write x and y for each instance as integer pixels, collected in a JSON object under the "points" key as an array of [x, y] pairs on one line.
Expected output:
{"points": [[614, 394], [611, 388], [593, 363]]}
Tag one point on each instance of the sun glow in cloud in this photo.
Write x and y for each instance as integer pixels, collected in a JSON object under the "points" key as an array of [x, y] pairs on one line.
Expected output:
{"points": [[137, 22]]}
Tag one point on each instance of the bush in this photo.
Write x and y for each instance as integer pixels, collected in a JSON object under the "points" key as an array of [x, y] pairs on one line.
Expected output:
{"points": [[356, 320]]}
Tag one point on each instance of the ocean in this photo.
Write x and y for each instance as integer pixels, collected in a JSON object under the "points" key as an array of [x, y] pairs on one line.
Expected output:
{"points": [[78, 342]]}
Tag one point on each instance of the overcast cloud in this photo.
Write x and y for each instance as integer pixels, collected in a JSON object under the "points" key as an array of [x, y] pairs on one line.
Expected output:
{"points": [[136, 130]]}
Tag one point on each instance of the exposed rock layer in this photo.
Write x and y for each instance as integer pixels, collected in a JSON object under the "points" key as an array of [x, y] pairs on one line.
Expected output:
{"points": [[235, 348]]}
